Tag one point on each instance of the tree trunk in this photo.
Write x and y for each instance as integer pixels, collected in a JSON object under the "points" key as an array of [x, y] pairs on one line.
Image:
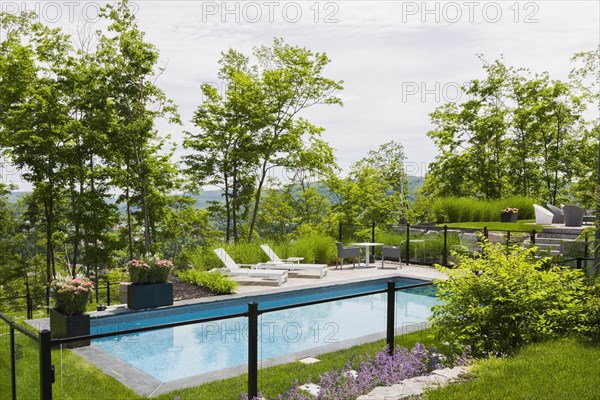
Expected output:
{"points": [[261, 182]]}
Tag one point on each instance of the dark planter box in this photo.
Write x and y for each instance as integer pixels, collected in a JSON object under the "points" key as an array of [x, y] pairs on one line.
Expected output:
{"points": [[508, 217], [65, 326], [149, 296]]}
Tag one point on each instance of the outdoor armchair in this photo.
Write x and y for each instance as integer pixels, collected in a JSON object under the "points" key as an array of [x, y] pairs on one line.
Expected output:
{"points": [[558, 216], [573, 215], [391, 252], [346, 252], [542, 216]]}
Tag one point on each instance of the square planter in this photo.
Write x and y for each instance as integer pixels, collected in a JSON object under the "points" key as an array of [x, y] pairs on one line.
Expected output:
{"points": [[65, 326], [149, 296], [123, 292], [508, 217]]}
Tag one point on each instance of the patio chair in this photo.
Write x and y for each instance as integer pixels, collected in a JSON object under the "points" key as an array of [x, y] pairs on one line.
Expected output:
{"points": [[233, 269], [391, 252], [289, 264], [346, 252], [558, 216], [573, 215], [542, 216]]}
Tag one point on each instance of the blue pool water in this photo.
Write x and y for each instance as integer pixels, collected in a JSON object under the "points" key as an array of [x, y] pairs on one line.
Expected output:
{"points": [[184, 351]]}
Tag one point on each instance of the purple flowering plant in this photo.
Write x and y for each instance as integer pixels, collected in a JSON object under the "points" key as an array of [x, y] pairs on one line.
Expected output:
{"points": [[382, 369], [71, 295], [149, 269]]}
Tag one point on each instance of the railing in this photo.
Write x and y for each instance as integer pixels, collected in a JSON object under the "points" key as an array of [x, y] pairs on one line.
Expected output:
{"points": [[46, 343], [31, 300], [418, 248]]}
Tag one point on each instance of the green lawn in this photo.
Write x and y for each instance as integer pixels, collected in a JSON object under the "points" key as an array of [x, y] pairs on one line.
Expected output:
{"points": [[77, 379], [558, 370], [525, 225]]}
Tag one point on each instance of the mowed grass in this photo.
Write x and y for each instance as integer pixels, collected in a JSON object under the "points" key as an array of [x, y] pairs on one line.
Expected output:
{"points": [[525, 225], [76, 379], [558, 370]]}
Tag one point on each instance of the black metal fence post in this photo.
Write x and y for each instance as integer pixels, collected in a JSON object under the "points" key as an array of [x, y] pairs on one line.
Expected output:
{"points": [[533, 237], [507, 238], [29, 305], [585, 249], [485, 232], [45, 350], [407, 244], [445, 255], [13, 364], [391, 309], [340, 232], [373, 238], [252, 350]]}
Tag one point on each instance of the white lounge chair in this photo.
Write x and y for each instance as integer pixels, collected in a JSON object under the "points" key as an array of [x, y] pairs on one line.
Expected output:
{"points": [[234, 269], [289, 264], [542, 216]]}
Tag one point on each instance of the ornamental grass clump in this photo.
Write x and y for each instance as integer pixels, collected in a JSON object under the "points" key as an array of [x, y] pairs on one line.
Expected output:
{"points": [[149, 269], [71, 295]]}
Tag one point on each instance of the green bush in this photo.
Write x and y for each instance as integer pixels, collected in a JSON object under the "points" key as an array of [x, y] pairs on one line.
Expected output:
{"points": [[215, 282], [499, 302], [467, 209]]}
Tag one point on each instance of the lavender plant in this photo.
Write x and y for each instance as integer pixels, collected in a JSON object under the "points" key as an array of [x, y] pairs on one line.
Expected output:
{"points": [[382, 369]]}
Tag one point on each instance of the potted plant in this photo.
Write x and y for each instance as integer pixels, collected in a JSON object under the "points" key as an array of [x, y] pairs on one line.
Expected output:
{"points": [[509, 215], [71, 297], [149, 286]]}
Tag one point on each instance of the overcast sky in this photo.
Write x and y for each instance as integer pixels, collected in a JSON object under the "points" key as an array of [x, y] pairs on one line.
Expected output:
{"points": [[399, 60]]}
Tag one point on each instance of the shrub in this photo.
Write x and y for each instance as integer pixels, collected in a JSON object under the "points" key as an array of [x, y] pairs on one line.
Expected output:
{"points": [[215, 282], [499, 302]]}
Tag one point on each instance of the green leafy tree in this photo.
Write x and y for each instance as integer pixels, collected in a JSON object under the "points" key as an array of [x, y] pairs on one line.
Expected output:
{"points": [[517, 134], [129, 66], [255, 127]]}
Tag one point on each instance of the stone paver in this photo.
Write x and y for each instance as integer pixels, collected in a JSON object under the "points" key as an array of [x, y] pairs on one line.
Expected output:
{"points": [[452, 374], [311, 388], [415, 386]]}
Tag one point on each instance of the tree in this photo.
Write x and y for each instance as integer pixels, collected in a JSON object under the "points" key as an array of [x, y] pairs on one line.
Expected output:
{"points": [[224, 150], [256, 127], [291, 81], [35, 112], [518, 134], [388, 162], [129, 64]]}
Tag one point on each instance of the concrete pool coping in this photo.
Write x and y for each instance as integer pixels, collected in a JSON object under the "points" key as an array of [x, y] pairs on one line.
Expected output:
{"points": [[146, 385]]}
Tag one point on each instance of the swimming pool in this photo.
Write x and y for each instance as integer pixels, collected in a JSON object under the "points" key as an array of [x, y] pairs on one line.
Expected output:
{"points": [[184, 351]]}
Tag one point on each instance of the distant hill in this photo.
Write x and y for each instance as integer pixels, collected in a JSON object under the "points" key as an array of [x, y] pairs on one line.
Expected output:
{"points": [[206, 196]]}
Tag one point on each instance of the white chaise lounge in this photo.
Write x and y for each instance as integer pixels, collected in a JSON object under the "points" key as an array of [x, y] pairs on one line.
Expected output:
{"points": [[542, 216], [233, 269], [289, 264]]}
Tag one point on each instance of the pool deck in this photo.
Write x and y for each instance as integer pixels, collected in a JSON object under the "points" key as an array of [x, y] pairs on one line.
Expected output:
{"points": [[147, 385]]}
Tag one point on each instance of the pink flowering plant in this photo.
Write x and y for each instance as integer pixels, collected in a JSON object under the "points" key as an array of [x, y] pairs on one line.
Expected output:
{"points": [[71, 295], [149, 269]]}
